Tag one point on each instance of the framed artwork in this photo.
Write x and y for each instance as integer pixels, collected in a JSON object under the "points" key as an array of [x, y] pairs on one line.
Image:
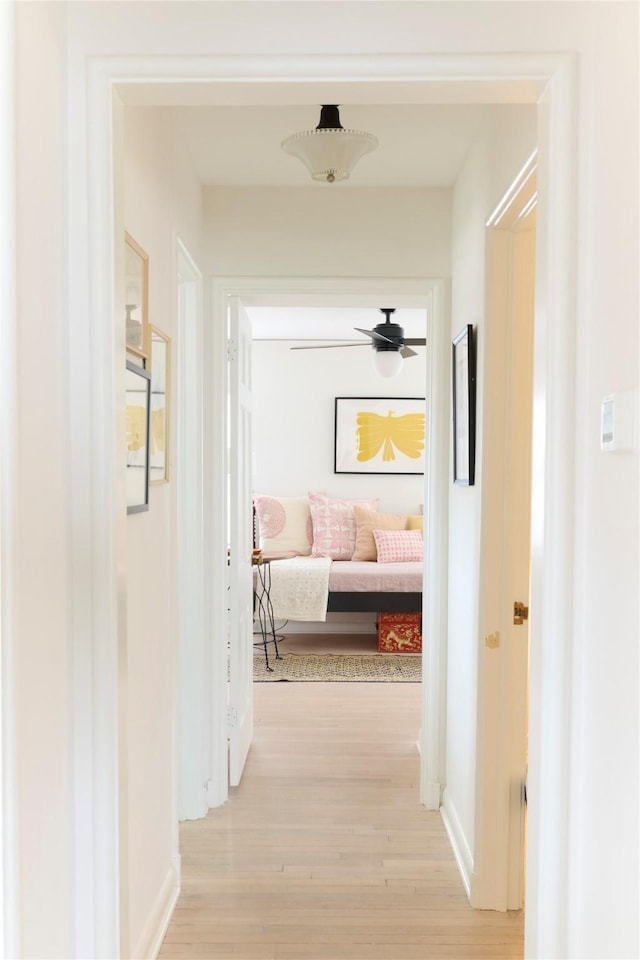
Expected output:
{"points": [[136, 265], [380, 435], [138, 405], [160, 406], [464, 407]]}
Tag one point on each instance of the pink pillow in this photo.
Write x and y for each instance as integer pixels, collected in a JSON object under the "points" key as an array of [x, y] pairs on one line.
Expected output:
{"points": [[366, 522], [284, 524], [398, 546], [334, 525]]}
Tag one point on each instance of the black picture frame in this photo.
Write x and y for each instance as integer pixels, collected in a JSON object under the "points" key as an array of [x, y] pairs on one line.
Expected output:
{"points": [[138, 417], [360, 423], [464, 407]]}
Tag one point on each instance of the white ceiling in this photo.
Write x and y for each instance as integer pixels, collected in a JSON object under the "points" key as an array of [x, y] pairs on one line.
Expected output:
{"points": [[419, 145], [233, 131], [329, 323]]}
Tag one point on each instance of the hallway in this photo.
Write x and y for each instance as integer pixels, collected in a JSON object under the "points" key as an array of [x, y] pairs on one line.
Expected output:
{"points": [[323, 852]]}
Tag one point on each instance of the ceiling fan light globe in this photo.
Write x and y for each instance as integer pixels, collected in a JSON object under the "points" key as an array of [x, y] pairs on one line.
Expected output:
{"points": [[387, 363]]}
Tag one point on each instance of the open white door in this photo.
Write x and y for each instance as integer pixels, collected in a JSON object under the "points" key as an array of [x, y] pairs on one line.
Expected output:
{"points": [[240, 705]]}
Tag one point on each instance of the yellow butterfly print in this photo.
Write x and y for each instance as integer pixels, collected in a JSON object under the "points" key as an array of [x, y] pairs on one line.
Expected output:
{"points": [[406, 434]]}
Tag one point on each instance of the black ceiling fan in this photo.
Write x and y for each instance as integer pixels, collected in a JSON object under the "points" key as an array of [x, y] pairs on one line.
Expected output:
{"points": [[386, 337]]}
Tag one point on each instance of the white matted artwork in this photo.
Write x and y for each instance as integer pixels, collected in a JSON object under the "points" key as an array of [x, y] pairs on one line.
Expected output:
{"points": [[380, 435], [160, 406]]}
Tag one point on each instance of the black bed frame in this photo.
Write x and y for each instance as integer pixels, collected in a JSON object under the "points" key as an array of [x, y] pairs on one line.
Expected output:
{"points": [[359, 602]]}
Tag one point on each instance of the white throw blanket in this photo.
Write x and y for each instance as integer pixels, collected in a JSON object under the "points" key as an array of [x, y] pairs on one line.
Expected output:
{"points": [[300, 588]]}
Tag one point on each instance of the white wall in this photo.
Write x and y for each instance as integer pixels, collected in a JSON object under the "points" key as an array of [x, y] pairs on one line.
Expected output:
{"points": [[161, 198], [36, 653], [315, 232], [492, 164], [604, 841]]}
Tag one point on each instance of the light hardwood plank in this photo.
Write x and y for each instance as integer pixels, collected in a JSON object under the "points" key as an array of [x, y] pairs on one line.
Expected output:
{"points": [[323, 852]]}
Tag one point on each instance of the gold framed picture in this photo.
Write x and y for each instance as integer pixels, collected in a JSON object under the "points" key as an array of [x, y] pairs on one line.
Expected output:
{"points": [[160, 367], [136, 303]]}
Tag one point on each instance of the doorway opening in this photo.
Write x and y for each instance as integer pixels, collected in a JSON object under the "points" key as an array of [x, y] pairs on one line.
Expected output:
{"points": [[557, 149], [424, 297]]}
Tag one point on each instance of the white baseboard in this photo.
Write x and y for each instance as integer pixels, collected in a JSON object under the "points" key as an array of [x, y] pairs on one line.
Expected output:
{"points": [[432, 795], [458, 841], [150, 940]]}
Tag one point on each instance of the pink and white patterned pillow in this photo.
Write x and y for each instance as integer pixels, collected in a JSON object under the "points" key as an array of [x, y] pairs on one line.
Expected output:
{"points": [[398, 546], [284, 524], [334, 525]]}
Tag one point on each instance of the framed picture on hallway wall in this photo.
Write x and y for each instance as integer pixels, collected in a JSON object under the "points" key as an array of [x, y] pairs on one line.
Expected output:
{"points": [[136, 299], [380, 435], [160, 406], [138, 404], [464, 407]]}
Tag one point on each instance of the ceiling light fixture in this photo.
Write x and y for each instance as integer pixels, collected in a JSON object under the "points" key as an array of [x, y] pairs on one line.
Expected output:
{"points": [[330, 152]]}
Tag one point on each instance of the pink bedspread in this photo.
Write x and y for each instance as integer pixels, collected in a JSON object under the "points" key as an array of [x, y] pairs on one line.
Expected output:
{"points": [[366, 577]]}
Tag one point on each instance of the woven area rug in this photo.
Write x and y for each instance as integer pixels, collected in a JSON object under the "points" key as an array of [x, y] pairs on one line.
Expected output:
{"points": [[329, 667]]}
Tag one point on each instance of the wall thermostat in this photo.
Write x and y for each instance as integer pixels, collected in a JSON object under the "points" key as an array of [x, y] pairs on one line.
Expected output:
{"points": [[618, 422]]}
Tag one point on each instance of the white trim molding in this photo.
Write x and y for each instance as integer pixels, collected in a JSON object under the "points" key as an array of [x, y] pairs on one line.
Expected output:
{"points": [[155, 928], [459, 843], [552, 520], [95, 355], [9, 880], [334, 291]]}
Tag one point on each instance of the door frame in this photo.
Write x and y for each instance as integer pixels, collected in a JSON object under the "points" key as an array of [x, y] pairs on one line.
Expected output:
{"points": [[93, 359], [345, 292], [188, 553], [497, 881]]}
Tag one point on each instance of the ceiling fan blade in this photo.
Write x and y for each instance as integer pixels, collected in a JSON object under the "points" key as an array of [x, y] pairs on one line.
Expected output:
{"points": [[373, 335], [331, 346], [407, 352], [415, 342]]}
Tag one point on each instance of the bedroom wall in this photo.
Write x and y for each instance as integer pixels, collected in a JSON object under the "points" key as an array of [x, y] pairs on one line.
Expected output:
{"points": [[492, 164], [296, 391], [161, 197]]}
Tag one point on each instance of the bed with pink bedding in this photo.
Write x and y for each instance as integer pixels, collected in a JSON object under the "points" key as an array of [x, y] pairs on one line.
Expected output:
{"points": [[369, 587], [346, 533]]}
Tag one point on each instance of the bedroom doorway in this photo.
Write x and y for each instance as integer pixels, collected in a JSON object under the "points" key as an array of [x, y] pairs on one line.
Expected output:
{"points": [[416, 295]]}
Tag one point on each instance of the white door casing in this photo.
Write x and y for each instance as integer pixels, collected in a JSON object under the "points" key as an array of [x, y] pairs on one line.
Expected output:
{"points": [[240, 630], [432, 294], [497, 881], [90, 361], [192, 653]]}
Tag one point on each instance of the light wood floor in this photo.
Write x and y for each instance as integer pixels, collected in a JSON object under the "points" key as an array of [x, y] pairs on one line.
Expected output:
{"points": [[323, 852]]}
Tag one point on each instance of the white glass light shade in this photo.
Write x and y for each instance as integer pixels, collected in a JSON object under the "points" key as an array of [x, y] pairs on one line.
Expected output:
{"points": [[328, 154], [388, 363]]}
